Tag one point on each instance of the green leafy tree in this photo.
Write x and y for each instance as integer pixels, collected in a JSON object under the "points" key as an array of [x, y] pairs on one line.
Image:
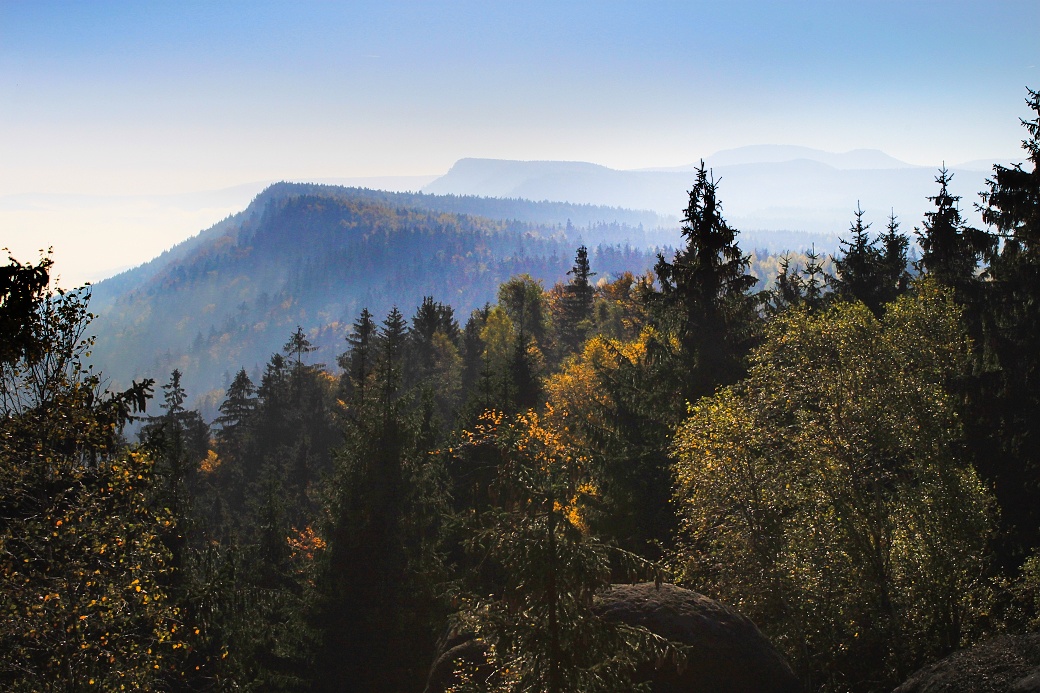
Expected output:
{"points": [[828, 496], [82, 571], [522, 298], [22, 288]]}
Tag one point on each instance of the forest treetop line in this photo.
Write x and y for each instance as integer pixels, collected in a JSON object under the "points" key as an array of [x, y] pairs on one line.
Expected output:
{"points": [[848, 457]]}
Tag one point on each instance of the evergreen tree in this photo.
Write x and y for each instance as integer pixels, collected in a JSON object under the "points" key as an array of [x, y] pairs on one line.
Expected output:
{"points": [[1013, 198], [705, 291], [894, 258], [179, 441], [577, 302], [1007, 406], [297, 346], [951, 250], [358, 362], [392, 339], [236, 412], [787, 289], [371, 600], [798, 286], [815, 280], [431, 318], [861, 271], [476, 371], [523, 375]]}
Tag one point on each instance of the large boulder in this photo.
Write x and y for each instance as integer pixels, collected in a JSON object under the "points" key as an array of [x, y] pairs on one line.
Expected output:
{"points": [[1003, 664], [726, 653]]}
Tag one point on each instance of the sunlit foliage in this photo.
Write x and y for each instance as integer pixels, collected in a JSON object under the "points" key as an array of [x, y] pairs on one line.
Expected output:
{"points": [[827, 495], [545, 566]]}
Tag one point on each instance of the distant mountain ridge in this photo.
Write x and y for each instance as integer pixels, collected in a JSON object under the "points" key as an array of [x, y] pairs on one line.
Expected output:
{"points": [[762, 188], [780, 153]]}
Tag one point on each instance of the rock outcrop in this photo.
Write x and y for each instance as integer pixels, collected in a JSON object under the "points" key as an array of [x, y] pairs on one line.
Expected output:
{"points": [[726, 653], [1004, 664]]}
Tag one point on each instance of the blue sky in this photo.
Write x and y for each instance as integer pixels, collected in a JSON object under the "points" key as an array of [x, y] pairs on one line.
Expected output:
{"points": [[145, 98]]}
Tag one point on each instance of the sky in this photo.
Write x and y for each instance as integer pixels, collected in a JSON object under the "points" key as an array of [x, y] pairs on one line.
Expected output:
{"points": [[119, 120]]}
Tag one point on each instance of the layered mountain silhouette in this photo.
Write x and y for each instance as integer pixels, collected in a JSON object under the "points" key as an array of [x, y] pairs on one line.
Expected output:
{"points": [[767, 187]]}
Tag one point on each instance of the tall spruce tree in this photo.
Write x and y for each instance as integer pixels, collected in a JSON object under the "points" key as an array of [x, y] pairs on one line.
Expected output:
{"points": [[705, 291], [370, 602], [861, 269], [951, 250], [894, 246], [1005, 411], [235, 413], [358, 362], [389, 367], [577, 302], [431, 318], [179, 439]]}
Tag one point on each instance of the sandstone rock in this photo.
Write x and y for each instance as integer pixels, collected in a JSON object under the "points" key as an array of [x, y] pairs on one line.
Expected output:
{"points": [[1004, 664], [727, 653]]}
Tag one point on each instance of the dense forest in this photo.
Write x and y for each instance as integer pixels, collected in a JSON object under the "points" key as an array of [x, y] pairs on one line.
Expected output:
{"points": [[848, 455]]}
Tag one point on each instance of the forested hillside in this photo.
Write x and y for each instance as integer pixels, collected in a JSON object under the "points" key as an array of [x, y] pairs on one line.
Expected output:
{"points": [[313, 256], [847, 455]]}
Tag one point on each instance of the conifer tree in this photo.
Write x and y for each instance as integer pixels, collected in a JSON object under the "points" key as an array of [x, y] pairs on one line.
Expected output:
{"points": [[951, 250], [476, 375], [370, 601], [358, 362], [577, 301], [815, 279], [431, 318], [235, 413], [861, 270], [392, 337], [894, 246], [1006, 410], [705, 290], [787, 289], [1013, 199], [179, 441]]}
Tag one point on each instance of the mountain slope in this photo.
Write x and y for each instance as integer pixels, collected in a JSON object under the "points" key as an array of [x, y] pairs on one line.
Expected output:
{"points": [[314, 256]]}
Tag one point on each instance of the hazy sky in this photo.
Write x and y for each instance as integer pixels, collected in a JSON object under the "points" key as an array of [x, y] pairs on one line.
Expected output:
{"points": [[113, 100]]}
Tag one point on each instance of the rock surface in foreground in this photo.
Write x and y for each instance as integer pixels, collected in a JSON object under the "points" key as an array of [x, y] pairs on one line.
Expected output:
{"points": [[727, 653], [1004, 664]]}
